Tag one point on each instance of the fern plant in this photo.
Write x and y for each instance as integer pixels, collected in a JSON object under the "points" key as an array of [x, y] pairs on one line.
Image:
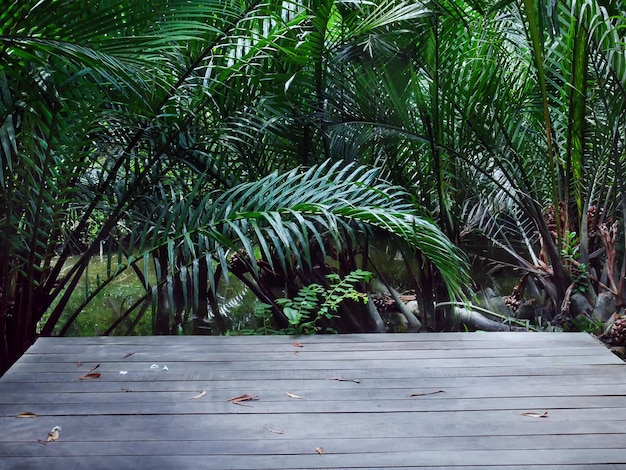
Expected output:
{"points": [[314, 304]]}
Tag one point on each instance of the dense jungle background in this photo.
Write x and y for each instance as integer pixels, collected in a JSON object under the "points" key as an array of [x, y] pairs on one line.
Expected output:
{"points": [[261, 166]]}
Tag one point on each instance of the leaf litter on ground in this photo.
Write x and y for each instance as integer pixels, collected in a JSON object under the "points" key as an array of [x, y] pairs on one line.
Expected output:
{"points": [[238, 400], [423, 394], [343, 379], [275, 431], [533, 414], [91, 375]]}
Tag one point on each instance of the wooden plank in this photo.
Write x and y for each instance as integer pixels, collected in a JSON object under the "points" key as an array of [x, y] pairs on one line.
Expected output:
{"points": [[69, 353], [299, 355], [284, 446], [581, 408], [207, 374], [240, 425], [355, 363], [410, 459], [328, 343], [457, 338], [571, 384], [111, 463], [313, 390], [322, 392], [322, 342]]}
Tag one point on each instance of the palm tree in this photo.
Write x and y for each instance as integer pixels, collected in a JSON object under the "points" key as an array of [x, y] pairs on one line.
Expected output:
{"points": [[64, 69], [504, 122]]}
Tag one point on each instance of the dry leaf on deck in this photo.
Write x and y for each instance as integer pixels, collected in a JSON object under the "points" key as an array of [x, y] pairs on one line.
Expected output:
{"points": [[26, 414], [342, 379], [199, 395], [536, 415], [275, 431], [241, 398], [297, 345], [319, 450], [293, 395], [91, 375], [426, 393]]}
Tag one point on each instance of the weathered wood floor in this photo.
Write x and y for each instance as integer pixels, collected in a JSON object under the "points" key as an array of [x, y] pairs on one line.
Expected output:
{"points": [[454, 401]]}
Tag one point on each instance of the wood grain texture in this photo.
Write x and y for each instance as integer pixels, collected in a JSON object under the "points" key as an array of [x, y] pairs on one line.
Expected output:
{"points": [[438, 401]]}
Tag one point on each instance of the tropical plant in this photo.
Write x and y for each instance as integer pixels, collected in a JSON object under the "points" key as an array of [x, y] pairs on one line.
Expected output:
{"points": [[99, 106], [286, 231], [148, 126], [68, 73], [579, 73], [314, 308], [503, 120]]}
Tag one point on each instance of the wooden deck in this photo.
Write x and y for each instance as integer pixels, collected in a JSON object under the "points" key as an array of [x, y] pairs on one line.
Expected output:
{"points": [[453, 401]]}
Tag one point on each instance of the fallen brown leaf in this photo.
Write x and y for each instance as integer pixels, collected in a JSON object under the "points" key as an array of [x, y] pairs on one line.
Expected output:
{"points": [[91, 375], [199, 395], [26, 414], [426, 393], [342, 379], [293, 395], [297, 345], [319, 450], [241, 398], [536, 415]]}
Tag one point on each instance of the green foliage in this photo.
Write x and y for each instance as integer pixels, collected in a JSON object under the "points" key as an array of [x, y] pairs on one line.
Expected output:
{"points": [[312, 304], [103, 305], [571, 255], [587, 324], [159, 130], [492, 115]]}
